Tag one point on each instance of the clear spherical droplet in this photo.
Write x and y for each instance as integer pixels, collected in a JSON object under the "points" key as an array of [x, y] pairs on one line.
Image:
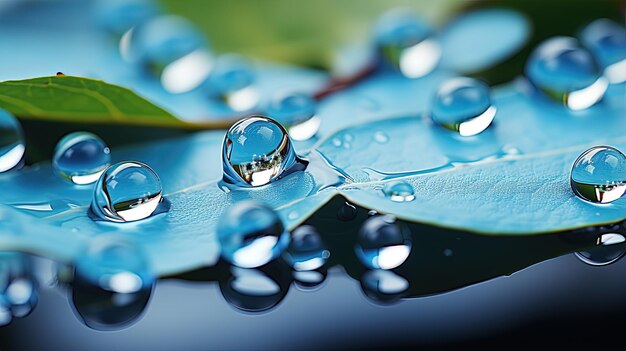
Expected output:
{"points": [[383, 243], [81, 157], [463, 105], [406, 44], [162, 40], [306, 250], [251, 234], [566, 73], [12, 145], [112, 283], [231, 80], [399, 191], [607, 41], [257, 150], [599, 175], [297, 111], [127, 191]]}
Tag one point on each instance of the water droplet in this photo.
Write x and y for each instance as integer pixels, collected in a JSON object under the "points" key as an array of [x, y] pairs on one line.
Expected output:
{"points": [[188, 72], [251, 234], [296, 110], [112, 283], [448, 252], [406, 44], [127, 191], [463, 105], [383, 286], [336, 142], [399, 191], [566, 72], [306, 250], [161, 41], [346, 212], [607, 41], [118, 16], [381, 137], [255, 290], [81, 157], [12, 145], [256, 151], [599, 175], [231, 81], [383, 243]]}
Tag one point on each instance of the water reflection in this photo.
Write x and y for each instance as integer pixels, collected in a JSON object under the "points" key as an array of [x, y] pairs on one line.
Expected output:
{"points": [[611, 247], [256, 290], [384, 286], [106, 310], [18, 287]]}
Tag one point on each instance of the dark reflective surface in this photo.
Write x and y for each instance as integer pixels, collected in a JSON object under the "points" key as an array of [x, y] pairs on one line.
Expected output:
{"points": [[455, 289]]}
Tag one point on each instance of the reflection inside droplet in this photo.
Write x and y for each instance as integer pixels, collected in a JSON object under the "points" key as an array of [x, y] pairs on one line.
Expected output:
{"points": [[255, 290], [599, 175], [12, 145], [384, 286]]}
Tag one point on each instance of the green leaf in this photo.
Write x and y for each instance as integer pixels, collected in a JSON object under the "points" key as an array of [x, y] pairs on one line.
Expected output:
{"points": [[84, 100]]}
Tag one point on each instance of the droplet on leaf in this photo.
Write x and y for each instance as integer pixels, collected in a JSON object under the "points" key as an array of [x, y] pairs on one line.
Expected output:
{"points": [[81, 157], [126, 192], [566, 73], [399, 191], [463, 105], [599, 175]]}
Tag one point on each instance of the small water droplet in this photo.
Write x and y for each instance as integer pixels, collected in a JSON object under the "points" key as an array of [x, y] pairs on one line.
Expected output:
{"points": [[348, 137], [81, 157], [381, 137], [306, 250], [293, 215], [372, 213], [406, 44], [448, 252], [607, 41], [12, 144], [383, 243], [251, 234], [297, 111], [256, 151], [346, 212], [566, 73], [336, 142], [18, 286], [399, 191], [127, 191], [161, 41], [599, 175], [231, 81], [463, 105]]}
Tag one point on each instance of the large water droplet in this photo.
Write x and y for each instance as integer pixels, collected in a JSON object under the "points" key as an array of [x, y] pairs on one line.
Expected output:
{"points": [[12, 144], [599, 175], [383, 243], [463, 105], [127, 191], [257, 150], [163, 40], [251, 234], [607, 41], [232, 82], [81, 157], [566, 72], [406, 44], [399, 191], [306, 250], [296, 110], [112, 283]]}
